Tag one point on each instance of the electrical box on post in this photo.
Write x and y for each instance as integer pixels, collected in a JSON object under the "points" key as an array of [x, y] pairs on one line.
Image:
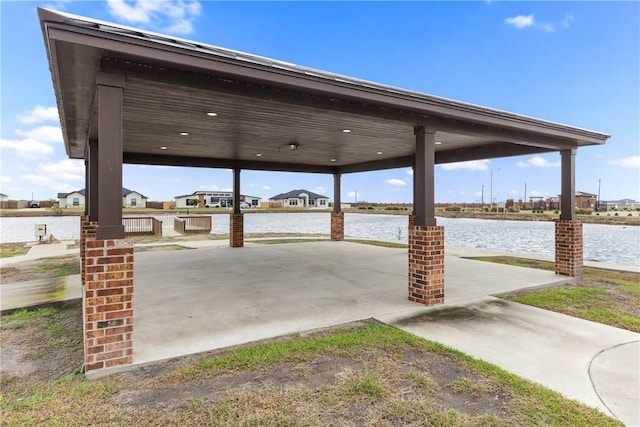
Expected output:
{"points": [[41, 231]]}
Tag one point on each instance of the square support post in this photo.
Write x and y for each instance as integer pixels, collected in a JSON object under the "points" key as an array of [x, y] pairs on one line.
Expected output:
{"points": [[106, 257], [110, 96], [568, 229], [236, 218], [337, 216], [426, 239], [91, 186]]}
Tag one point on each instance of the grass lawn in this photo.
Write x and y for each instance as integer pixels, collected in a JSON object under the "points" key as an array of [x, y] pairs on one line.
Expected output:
{"points": [[12, 249], [358, 374], [604, 296]]}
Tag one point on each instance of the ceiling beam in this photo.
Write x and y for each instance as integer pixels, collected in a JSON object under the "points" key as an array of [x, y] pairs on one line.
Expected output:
{"points": [[490, 151], [214, 163], [397, 162]]}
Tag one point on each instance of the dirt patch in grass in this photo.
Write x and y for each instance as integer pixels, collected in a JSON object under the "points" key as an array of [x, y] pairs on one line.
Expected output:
{"points": [[42, 344], [605, 296], [45, 268], [352, 375]]}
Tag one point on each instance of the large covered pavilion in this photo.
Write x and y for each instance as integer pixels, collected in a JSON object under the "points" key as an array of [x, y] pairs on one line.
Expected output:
{"points": [[129, 96]]}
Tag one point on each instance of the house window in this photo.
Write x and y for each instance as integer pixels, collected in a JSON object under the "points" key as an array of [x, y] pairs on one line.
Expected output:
{"points": [[322, 202], [134, 202], [76, 201], [293, 202], [312, 202]]}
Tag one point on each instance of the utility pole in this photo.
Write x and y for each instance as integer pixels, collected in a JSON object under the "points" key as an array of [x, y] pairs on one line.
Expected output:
{"points": [[482, 197], [491, 192], [356, 197], [598, 201], [525, 194]]}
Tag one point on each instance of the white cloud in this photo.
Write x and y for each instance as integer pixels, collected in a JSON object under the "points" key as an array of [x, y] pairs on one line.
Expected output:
{"points": [[27, 148], [520, 21], [626, 162], [43, 134], [409, 172], [353, 194], [567, 21], [172, 16], [63, 176], [320, 190], [266, 187], [538, 162], [5, 178], [63, 170], [475, 165], [396, 182], [525, 21], [209, 187], [40, 114]]}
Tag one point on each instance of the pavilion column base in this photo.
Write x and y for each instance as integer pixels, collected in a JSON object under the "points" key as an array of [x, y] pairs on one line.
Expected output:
{"points": [[426, 264], [337, 226], [236, 230], [569, 248], [107, 303]]}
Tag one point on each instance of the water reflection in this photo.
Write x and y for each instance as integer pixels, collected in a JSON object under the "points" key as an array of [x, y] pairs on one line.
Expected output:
{"points": [[612, 243]]}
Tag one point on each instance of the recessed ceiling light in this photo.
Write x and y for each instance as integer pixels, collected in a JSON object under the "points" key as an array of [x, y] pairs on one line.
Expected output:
{"points": [[212, 114], [333, 160], [184, 133], [379, 152], [346, 130], [258, 154], [438, 142], [163, 148]]}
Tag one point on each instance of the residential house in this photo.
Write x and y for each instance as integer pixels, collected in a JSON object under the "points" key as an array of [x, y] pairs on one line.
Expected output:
{"points": [[301, 198], [213, 199], [3, 197], [76, 199], [252, 201]]}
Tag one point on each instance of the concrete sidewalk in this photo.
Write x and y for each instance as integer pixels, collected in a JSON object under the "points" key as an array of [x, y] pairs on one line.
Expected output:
{"points": [[214, 297]]}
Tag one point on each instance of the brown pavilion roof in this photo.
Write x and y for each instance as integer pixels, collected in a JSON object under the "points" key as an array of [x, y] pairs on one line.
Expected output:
{"points": [[192, 104]]}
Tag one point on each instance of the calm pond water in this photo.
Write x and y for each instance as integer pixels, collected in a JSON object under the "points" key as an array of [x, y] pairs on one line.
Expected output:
{"points": [[611, 243]]}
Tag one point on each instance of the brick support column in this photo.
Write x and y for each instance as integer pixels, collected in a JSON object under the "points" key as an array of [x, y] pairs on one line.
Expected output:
{"points": [[569, 247], [236, 230], [337, 226], [426, 264], [108, 303]]}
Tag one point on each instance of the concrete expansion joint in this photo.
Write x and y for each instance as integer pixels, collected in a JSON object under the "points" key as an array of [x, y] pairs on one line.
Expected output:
{"points": [[589, 373]]}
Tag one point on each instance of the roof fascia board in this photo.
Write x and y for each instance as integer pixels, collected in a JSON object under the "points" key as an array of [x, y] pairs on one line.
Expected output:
{"points": [[424, 104]]}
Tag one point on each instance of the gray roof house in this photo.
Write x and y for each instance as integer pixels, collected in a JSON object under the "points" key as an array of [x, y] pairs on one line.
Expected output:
{"points": [[76, 199], [301, 198]]}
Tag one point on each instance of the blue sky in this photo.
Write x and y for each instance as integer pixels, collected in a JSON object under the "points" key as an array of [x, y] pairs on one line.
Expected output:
{"points": [[577, 63]]}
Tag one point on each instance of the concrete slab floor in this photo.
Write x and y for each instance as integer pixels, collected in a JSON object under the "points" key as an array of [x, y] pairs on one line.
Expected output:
{"points": [[196, 300]]}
